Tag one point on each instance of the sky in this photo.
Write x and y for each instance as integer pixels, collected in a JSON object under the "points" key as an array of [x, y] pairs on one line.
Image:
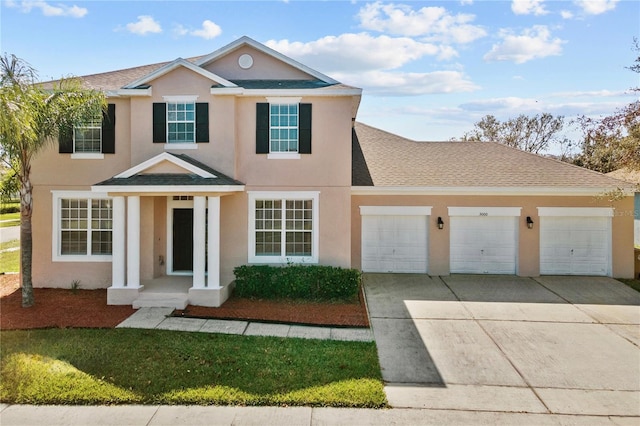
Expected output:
{"points": [[429, 70]]}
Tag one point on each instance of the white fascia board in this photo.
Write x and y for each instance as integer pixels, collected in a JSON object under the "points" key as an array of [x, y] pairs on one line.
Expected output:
{"points": [[239, 91], [167, 189], [511, 191], [175, 64], [395, 210], [575, 211], [134, 92], [165, 156], [267, 51]]}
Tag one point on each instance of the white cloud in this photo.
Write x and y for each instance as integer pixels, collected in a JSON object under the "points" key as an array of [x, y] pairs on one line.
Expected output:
{"points": [[566, 14], [49, 10], [357, 52], [528, 7], [596, 7], [432, 23], [209, 30], [533, 43], [594, 94], [144, 25], [383, 83]]}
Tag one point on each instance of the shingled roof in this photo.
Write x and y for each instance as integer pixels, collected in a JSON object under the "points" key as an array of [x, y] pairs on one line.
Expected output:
{"points": [[382, 159]]}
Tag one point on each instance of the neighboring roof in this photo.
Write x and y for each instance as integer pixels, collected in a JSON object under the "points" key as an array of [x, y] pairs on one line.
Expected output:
{"points": [[625, 174], [382, 159]]}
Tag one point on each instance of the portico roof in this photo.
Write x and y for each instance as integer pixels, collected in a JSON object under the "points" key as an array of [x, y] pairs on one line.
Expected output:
{"points": [[187, 175]]}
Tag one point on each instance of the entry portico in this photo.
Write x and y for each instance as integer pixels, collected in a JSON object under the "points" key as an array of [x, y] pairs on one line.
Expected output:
{"points": [[188, 186]]}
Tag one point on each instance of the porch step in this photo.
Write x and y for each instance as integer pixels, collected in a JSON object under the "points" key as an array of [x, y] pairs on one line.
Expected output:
{"points": [[147, 299]]}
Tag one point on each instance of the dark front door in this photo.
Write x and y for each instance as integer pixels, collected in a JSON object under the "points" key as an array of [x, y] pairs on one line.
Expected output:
{"points": [[182, 240]]}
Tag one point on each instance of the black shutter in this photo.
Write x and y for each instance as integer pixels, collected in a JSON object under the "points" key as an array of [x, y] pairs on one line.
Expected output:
{"points": [[304, 129], [202, 122], [65, 140], [159, 122], [109, 130], [262, 128]]}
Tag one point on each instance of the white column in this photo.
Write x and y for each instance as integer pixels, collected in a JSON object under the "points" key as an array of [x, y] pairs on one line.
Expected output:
{"points": [[133, 241], [199, 235], [214, 243], [117, 243]]}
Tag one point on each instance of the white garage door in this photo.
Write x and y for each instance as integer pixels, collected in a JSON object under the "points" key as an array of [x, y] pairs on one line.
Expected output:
{"points": [[575, 245], [485, 243], [394, 243]]}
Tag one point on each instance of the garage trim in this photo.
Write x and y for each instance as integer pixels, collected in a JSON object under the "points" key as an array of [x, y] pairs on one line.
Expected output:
{"points": [[395, 210], [484, 211], [576, 211]]}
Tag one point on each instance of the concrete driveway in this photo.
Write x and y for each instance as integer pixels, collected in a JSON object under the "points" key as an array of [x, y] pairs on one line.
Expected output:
{"points": [[564, 345]]}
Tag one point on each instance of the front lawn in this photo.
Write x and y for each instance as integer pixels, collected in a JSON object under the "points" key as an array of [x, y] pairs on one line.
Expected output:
{"points": [[10, 259], [129, 366]]}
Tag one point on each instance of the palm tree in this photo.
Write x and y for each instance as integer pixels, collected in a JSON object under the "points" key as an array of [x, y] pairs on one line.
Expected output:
{"points": [[31, 115]]}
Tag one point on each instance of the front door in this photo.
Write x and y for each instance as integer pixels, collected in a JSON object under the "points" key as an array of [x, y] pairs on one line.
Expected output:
{"points": [[182, 240]]}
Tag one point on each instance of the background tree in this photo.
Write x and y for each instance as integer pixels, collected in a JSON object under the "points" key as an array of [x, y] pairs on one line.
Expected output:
{"points": [[533, 134], [30, 118], [613, 142]]}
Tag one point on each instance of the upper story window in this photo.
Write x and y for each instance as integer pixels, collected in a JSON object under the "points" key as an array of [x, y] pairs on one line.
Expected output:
{"points": [[180, 122], [283, 125], [90, 139], [283, 128]]}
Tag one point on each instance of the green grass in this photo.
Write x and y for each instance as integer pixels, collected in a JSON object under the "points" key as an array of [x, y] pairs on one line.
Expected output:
{"points": [[128, 366], [9, 219], [633, 283], [9, 260]]}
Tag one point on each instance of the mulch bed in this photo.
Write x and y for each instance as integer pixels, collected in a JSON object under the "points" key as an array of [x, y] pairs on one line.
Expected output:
{"points": [[62, 308]]}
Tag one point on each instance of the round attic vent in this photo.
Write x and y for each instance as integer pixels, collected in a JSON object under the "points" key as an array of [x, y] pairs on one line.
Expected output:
{"points": [[245, 61]]}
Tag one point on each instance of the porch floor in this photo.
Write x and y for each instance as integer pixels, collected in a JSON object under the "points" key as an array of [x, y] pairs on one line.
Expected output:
{"points": [[168, 291]]}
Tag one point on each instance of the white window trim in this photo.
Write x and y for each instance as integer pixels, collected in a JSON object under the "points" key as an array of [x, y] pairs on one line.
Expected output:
{"points": [[282, 100], [284, 195], [178, 146], [87, 155], [576, 211], [180, 99], [283, 155], [56, 255]]}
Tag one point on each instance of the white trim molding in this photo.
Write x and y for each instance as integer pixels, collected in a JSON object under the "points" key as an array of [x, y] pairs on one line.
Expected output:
{"points": [[282, 100], [576, 211], [165, 156], [520, 191], [395, 210], [485, 211], [167, 189], [285, 196], [283, 156], [87, 156], [180, 98], [56, 254]]}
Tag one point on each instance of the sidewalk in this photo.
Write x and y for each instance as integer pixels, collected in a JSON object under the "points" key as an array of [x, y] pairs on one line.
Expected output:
{"points": [[19, 415], [157, 318]]}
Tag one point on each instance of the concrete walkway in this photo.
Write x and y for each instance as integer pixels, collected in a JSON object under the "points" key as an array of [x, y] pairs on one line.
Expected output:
{"points": [[158, 318], [26, 415], [549, 345]]}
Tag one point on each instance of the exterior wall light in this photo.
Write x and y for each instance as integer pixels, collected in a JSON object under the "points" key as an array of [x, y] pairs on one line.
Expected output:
{"points": [[440, 223], [529, 222]]}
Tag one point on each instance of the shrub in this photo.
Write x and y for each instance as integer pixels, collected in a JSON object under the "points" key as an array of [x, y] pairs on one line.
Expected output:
{"points": [[309, 282], [10, 209]]}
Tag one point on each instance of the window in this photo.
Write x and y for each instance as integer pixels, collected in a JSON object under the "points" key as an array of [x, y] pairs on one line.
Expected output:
{"points": [[83, 227], [283, 126], [88, 137], [283, 227], [181, 122], [91, 139]]}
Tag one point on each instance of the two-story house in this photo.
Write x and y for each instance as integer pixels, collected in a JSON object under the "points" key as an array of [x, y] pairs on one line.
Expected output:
{"points": [[245, 156]]}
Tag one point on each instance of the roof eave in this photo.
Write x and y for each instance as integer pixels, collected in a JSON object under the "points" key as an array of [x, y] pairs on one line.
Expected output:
{"points": [[487, 191], [166, 189], [286, 92]]}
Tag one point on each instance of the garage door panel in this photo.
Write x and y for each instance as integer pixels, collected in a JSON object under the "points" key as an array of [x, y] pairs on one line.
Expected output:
{"points": [[394, 243], [483, 245], [575, 245]]}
